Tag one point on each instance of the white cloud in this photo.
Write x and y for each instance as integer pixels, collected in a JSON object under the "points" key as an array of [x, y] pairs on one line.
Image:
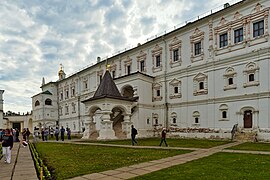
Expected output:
{"points": [[36, 36]]}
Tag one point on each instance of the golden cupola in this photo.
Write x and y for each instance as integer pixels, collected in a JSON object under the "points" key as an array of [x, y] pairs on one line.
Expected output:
{"points": [[61, 73]]}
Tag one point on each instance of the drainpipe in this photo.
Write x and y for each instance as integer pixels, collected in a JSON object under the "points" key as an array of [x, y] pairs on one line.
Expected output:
{"points": [[166, 87]]}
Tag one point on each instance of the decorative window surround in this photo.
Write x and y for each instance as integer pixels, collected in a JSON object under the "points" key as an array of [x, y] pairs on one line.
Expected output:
{"points": [[200, 77], [196, 116], [175, 83], [251, 68], [257, 15], [229, 27], [229, 73], [173, 117], [141, 57], [175, 44], [127, 62], [66, 109], [73, 108], [156, 87], [157, 51], [66, 89], [223, 108], [196, 37]]}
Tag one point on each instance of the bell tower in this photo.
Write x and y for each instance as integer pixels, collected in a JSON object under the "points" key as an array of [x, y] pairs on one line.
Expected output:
{"points": [[61, 73]]}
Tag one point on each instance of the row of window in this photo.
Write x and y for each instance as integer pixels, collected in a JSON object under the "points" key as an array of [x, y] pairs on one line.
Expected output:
{"points": [[73, 109], [201, 84], [47, 102], [223, 109]]}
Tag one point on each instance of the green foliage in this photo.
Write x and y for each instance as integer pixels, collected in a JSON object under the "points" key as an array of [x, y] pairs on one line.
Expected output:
{"points": [[39, 163], [71, 160], [172, 142], [231, 166], [252, 146]]}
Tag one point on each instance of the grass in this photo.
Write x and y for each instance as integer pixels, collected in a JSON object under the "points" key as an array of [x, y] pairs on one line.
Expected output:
{"points": [[71, 160], [172, 142], [231, 166], [252, 146]]}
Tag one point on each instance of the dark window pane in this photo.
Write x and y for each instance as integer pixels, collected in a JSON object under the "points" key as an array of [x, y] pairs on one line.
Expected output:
{"points": [[197, 48]]}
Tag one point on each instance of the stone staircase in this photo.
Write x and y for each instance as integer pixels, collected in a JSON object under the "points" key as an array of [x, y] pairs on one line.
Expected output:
{"points": [[117, 127], [242, 135]]}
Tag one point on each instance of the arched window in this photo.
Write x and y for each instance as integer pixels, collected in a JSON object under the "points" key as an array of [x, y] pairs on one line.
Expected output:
{"points": [[224, 112], [48, 102], [37, 103]]}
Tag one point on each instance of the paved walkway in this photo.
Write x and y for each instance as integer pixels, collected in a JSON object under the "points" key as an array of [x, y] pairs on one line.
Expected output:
{"points": [[151, 166], [21, 166]]}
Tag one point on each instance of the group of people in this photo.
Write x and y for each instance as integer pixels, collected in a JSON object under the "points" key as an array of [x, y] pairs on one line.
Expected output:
{"points": [[134, 132], [46, 132]]}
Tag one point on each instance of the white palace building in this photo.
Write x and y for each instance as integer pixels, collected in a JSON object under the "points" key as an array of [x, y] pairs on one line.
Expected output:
{"points": [[197, 80]]}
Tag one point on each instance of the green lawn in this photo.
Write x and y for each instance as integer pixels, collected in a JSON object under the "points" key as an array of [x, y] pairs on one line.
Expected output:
{"points": [[172, 142], [71, 160], [252, 146], [231, 166]]}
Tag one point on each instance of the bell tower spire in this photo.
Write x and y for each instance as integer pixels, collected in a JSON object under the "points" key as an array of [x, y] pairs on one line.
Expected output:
{"points": [[61, 73]]}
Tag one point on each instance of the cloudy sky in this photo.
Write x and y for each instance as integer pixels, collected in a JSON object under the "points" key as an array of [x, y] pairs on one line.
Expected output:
{"points": [[37, 35]]}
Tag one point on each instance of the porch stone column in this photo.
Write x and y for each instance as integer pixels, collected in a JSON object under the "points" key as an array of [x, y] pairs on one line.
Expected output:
{"points": [[126, 125], [90, 127], [106, 126]]}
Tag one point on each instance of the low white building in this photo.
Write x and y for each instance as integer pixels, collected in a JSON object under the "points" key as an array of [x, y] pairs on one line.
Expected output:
{"points": [[198, 81]]}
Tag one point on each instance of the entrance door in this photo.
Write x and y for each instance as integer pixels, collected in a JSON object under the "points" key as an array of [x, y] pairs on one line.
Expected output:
{"points": [[248, 119], [16, 125]]}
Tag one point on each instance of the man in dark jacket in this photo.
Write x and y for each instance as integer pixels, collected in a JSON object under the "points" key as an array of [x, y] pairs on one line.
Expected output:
{"points": [[133, 135], [62, 133], [163, 137], [7, 145]]}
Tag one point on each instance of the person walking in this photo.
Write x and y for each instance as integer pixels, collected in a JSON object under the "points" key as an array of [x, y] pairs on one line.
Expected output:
{"points": [[163, 137], [7, 145], [56, 133], [27, 135], [69, 133], [133, 135], [46, 134], [42, 134], [62, 131]]}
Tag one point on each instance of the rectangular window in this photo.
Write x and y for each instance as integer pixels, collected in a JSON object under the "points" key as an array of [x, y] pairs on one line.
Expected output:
{"points": [[142, 66], [201, 85], [158, 93], [258, 28], [67, 94], [158, 61], [73, 92], [251, 77], [223, 40], [175, 55], [61, 96], [113, 74], [197, 48], [85, 85], [238, 35], [176, 90], [230, 81], [128, 69]]}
